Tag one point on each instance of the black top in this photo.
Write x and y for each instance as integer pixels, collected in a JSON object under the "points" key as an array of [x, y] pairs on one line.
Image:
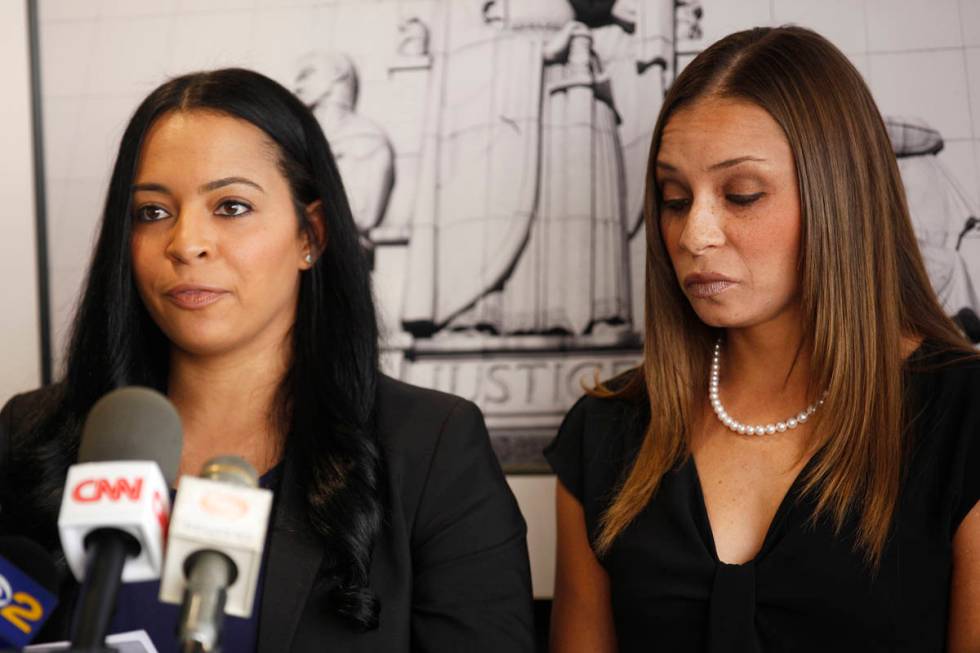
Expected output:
{"points": [[806, 590], [450, 568]]}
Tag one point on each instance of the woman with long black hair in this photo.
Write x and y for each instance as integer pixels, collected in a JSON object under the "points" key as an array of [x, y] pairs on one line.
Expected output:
{"points": [[228, 275]]}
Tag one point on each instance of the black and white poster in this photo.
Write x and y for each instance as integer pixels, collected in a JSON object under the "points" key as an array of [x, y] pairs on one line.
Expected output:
{"points": [[494, 154]]}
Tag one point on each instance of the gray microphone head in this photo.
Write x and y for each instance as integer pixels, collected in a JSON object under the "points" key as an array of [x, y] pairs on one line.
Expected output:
{"points": [[231, 469], [133, 424]]}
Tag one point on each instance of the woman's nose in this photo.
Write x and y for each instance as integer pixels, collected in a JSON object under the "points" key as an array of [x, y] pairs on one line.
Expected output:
{"points": [[703, 227], [192, 238]]}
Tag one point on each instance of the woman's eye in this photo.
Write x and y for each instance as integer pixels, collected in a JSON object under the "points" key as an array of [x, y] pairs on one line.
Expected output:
{"points": [[151, 213], [233, 208], [744, 200], [676, 205]]}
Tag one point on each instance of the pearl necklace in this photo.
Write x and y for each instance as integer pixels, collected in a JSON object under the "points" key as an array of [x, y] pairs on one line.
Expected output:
{"points": [[744, 429]]}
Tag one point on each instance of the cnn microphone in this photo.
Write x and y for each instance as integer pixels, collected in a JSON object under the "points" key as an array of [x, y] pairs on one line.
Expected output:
{"points": [[28, 590], [214, 550], [116, 505]]}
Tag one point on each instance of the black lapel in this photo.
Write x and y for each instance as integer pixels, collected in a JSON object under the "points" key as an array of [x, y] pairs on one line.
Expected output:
{"points": [[295, 554]]}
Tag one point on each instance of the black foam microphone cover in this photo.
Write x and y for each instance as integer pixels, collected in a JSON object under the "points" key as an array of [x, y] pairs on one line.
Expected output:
{"points": [[32, 559]]}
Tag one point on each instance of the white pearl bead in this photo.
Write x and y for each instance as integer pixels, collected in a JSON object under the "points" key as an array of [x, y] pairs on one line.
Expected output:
{"points": [[744, 429]]}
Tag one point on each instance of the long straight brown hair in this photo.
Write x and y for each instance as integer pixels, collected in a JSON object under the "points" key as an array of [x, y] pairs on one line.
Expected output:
{"points": [[864, 286]]}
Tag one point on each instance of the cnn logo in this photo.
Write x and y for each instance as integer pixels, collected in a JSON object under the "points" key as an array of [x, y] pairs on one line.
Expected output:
{"points": [[96, 489]]}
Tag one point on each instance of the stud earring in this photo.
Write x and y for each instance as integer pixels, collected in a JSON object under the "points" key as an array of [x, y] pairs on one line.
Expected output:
{"points": [[309, 259]]}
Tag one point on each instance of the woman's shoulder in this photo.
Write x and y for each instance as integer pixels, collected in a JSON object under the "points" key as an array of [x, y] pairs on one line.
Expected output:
{"points": [[411, 415], [23, 408], [392, 391], [611, 410], [599, 436], [413, 423], [440, 460], [945, 418], [946, 373]]}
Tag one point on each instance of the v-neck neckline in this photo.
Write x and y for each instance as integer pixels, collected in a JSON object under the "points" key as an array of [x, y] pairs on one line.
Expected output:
{"points": [[778, 518]]}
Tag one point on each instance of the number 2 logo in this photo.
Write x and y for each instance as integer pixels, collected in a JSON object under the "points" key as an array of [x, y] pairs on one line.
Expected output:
{"points": [[24, 609]]}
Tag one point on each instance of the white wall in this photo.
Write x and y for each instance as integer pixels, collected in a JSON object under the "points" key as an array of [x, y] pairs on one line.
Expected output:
{"points": [[19, 334]]}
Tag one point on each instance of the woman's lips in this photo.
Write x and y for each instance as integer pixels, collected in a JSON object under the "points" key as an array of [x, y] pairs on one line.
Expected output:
{"points": [[192, 298], [707, 285], [709, 289]]}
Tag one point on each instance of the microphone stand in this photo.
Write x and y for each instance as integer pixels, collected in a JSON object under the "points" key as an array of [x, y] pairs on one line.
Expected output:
{"points": [[108, 549]]}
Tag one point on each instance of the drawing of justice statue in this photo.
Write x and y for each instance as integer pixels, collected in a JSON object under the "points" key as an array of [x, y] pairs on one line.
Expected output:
{"points": [[327, 82], [524, 205]]}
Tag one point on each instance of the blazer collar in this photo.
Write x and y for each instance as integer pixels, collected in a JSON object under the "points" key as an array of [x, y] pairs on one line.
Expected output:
{"points": [[294, 558]]}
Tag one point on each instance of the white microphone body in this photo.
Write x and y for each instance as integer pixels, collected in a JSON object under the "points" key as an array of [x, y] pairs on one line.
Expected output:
{"points": [[129, 496], [229, 519]]}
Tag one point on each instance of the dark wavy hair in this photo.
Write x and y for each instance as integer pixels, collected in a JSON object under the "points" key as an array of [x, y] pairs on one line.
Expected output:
{"points": [[325, 401]]}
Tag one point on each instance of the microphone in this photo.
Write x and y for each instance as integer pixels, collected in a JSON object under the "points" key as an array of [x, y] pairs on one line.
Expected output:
{"points": [[214, 551], [116, 504], [28, 589]]}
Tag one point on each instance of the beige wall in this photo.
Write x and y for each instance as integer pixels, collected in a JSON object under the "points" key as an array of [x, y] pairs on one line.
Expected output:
{"points": [[536, 497], [19, 334]]}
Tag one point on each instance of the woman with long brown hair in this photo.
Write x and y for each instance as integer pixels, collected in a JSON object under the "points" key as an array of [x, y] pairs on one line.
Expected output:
{"points": [[796, 464]]}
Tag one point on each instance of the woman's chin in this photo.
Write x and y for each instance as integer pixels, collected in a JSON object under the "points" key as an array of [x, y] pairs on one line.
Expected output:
{"points": [[717, 316], [204, 344]]}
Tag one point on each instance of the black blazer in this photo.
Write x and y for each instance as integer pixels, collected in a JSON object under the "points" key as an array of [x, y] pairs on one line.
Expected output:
{"points": [[451, 568]]}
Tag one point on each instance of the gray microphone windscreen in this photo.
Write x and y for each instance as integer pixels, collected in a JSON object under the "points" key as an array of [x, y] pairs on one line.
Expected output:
{"points": [[231, 469], [133, 424]]}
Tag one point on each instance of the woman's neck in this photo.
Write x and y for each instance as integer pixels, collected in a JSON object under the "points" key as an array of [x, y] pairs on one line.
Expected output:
{"points": [[769, 359], [227, 404]]}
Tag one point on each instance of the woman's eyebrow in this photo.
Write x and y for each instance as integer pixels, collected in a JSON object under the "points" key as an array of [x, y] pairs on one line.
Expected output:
{"points": [[727, 163], [151, 187], [227, 181], [205, 188]]}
